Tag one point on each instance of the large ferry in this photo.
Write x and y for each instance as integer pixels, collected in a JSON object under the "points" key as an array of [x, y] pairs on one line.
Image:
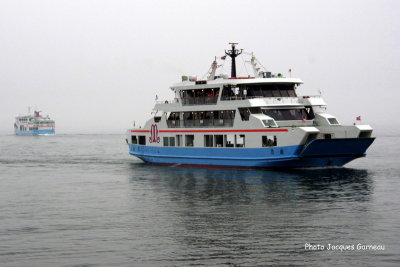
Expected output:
{"points": [[256, 121], [34, 124]]}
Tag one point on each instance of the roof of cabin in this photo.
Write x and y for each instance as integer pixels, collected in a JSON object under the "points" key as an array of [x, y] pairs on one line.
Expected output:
{"points": [[232, 81]]}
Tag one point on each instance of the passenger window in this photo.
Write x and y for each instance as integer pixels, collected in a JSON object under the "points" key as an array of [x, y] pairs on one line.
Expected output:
{"points": [[268, 141], [229, 140], [189, 140], [179, 140], [208, 140], [142, 140], [333, 121], [269, 123], [166, 141], [219, 140], [240, 140]]}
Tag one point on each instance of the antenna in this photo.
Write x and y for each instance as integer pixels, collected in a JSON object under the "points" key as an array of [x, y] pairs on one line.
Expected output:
{"points": [[233, 54]]}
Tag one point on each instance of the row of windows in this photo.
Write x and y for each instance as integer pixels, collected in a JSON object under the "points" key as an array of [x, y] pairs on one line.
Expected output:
{"points": [[226, 117], [226, 140], [219, 118], [32, 127], [199, 96], [210, 140], [289, 114], [245, 112], [141, 140], [21, 128], [278, 114], [24, 128], [236, 92], [203, 115], [44, 122], [36, 122], [245, 91]]}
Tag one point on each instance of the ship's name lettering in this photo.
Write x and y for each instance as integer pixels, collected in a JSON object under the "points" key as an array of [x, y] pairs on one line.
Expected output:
{"points": [[154, 138]]}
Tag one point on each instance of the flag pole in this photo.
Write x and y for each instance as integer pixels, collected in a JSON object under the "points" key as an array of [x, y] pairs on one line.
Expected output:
{"points": [[358, 118]]}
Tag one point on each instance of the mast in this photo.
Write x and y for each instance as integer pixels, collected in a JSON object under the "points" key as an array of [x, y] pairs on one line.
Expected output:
{"points": [[233, 54], [214, 67]]}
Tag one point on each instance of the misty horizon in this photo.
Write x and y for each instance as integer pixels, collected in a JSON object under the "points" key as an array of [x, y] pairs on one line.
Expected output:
{"points": [[96, 67]]}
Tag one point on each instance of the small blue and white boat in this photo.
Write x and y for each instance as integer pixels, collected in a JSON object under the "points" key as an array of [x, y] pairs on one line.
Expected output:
{"points": [[34, 124], [252, 121]]}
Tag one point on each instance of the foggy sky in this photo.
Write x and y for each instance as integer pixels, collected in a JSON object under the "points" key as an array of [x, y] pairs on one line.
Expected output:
{"points": [[96, 66]]}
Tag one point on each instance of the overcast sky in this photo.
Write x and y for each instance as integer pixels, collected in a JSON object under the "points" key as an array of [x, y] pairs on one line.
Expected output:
{"points": [[96, 66]]}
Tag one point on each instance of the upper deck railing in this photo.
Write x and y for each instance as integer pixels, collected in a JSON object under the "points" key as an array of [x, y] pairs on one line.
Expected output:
{"points": [[200, 123], [309, 96], [208, 100], [213, 100], [173, 101], [268, 100]]}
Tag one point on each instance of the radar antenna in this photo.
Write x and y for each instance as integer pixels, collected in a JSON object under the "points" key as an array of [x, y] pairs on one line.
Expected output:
{"points": [[233, 54]]}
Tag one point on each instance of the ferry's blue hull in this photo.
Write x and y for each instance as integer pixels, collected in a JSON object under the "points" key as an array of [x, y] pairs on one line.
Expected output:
{"points": [[318, 153], [35, 132]]}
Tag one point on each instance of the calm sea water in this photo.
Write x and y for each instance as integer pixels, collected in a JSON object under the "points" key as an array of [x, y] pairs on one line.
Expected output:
{"points": [[81, 200]]}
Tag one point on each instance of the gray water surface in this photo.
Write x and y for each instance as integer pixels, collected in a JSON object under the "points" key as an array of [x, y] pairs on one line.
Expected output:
{"points": [[81, 200]]}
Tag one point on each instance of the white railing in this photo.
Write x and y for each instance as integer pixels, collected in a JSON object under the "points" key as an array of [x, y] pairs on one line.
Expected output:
{"points": [[309, 96], [268, 100], [175, 100]]}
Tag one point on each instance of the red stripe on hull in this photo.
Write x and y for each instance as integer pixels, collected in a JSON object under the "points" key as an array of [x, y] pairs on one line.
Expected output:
{"points": [[212, 131]]}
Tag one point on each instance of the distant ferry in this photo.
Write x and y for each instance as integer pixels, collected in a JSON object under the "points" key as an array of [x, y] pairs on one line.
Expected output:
{"points": [[252, 121], [34, 124]]}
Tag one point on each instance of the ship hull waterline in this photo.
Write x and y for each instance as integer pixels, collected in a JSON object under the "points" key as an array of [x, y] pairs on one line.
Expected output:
{"points": [[318, 153], [35, 132]]}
